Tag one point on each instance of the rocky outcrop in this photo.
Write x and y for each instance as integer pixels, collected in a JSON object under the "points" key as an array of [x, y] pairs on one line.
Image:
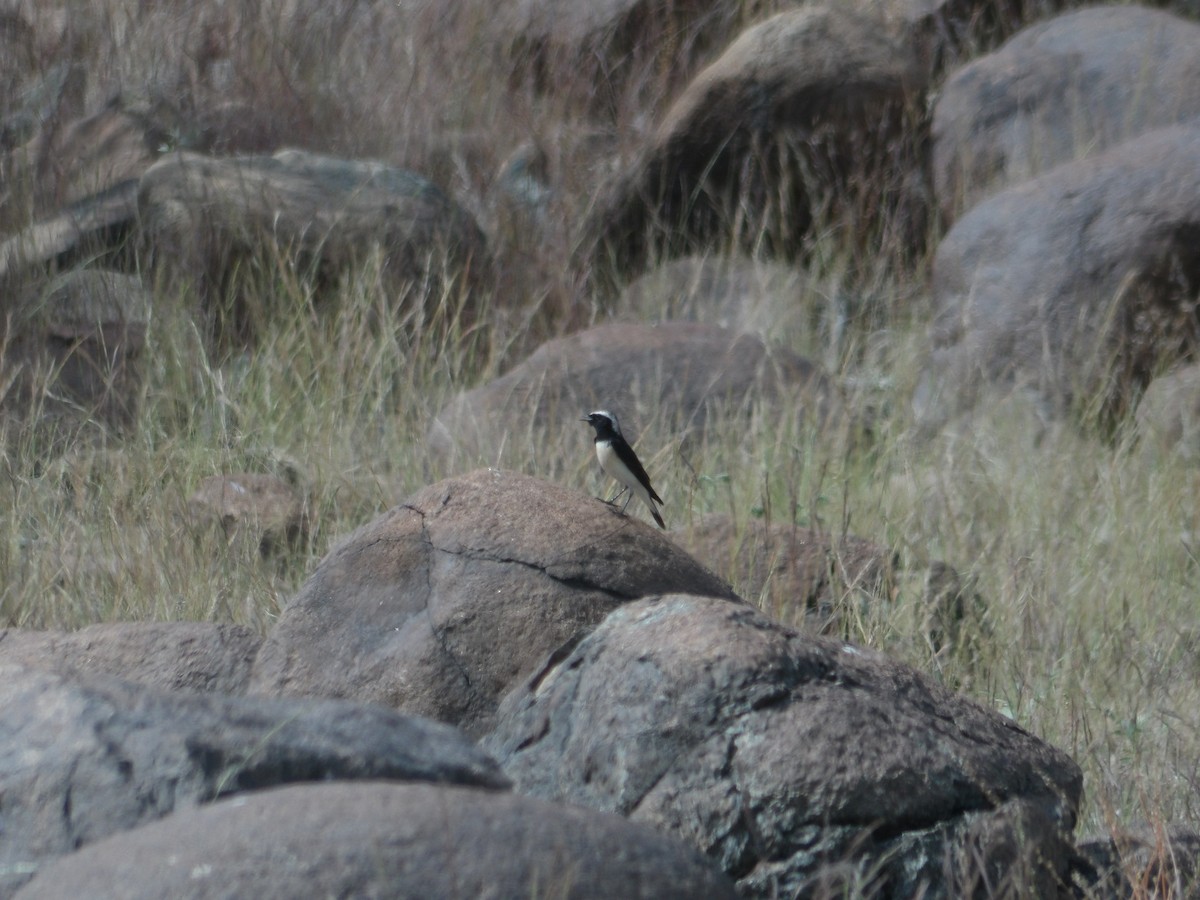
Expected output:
{"points": [[782, 755], [442, 605], [83, 759], [1077, 285], [796, 109], [1061, 91]]}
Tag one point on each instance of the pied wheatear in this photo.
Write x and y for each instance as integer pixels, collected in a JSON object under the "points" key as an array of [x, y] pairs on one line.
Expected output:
{"points": [[619, 461]]}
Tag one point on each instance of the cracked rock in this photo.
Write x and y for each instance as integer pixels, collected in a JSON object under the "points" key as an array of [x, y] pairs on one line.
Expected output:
{"points": [[82, 758], [442, 605], [801, 765]]}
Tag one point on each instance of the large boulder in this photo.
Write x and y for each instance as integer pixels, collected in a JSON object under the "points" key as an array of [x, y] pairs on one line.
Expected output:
{"points": [[185, 656], [680, 369], [202, 214], [787, 758], [1059, 91], [443, 604], [80, 760], [384, 840], [797, 110], [1077, 285]]}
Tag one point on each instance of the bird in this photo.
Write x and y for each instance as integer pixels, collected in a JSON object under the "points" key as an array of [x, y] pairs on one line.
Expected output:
{"points": [[619, 461]]}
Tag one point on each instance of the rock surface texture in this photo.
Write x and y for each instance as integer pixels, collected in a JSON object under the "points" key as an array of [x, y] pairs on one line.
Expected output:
{"points": [[1060, 91], [176, 656], [445, 603], [82, 759], [792, 761], [1078, 285], [385, 840]]}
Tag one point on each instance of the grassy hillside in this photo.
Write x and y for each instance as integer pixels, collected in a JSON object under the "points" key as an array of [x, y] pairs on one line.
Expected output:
{"points": [[1083, 550]]}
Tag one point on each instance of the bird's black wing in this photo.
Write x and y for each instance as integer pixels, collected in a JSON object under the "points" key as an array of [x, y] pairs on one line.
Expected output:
{"points": [[626, 455]]}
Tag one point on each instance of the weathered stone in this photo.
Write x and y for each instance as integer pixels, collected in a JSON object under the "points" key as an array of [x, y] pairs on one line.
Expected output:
{"points": [[444, 603], [188, 656], [323, 214], [777, 753], [385, 840], [1059, 91], [80, 760], [682, 368], [1077, 285], [798, 109]]}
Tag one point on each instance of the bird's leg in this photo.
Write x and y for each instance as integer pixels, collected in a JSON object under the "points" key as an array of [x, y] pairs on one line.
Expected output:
{"points": [[613, 499], [627, 499]]}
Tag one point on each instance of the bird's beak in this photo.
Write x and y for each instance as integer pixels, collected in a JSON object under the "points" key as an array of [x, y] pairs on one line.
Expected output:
{"points": [[586, 419]]}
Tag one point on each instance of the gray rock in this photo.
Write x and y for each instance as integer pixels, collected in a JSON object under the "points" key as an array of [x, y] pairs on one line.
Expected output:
{"points": [[384, 840], [180, 656], [80, 760], [1077, 285], [681, 368], [1059, 91], [443, 604], [201, 214], [777, 753]]}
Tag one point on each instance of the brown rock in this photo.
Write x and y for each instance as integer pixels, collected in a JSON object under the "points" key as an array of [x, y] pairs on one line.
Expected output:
{"points": [[385, 840], [267, 507], [796, 110], [444, 603], [82, 759], [1060, 91], [680, 368], [1077, 285], [776, 753], [798, 573], [189, 656]]}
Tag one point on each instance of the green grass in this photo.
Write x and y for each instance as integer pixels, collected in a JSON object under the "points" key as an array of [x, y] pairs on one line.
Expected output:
{"points": [[1085, 554]]}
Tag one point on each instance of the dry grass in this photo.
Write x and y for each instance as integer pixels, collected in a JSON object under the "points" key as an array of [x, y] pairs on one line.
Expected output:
{"points": [[1086, 556]]}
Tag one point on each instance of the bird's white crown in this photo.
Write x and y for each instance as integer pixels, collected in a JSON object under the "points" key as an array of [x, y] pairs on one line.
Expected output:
{"points": [[607, 415]]}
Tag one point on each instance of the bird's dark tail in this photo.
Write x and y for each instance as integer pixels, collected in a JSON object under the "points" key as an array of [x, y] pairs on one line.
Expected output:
{"points": [[658, 518]]}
